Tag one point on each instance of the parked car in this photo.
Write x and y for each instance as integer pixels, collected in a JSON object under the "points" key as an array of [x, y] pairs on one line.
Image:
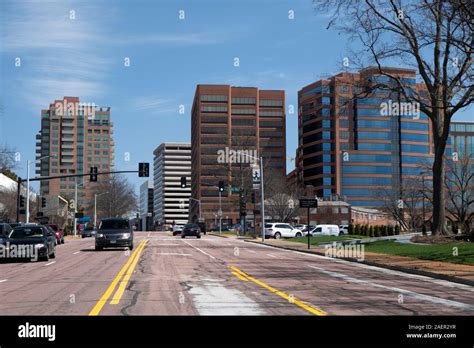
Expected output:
{"points": [[88, 231], [177, 229], [15, 224], [325, 230], [279, 230], [58, 232], [37, 236], [5, 230], [191, 230], [343, 229], [114, 232]]}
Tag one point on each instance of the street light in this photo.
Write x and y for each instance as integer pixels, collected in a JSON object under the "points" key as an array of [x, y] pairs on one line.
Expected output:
{"points": [[28, 163], [260, 159], [423, 174], [95, 206]]}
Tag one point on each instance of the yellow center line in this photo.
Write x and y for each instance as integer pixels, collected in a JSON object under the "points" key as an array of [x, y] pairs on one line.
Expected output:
{"points": [[98, 307], [238, 275], [290, 299], [118, 294]]}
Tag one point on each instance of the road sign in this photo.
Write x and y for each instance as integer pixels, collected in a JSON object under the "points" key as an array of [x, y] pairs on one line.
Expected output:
{"points": [[234, 189], [85, 219], [256, 175], [308, 203]]}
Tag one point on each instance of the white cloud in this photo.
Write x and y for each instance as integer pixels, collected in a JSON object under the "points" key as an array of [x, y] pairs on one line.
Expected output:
{"points": [[154, 105]]}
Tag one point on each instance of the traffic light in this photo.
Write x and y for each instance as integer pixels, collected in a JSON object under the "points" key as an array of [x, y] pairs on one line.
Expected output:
{"points": [[143, 169], [221, 186], [43, 202], [22, 201], [254, 197], [93, 174], [183, 182], [243, 204]]}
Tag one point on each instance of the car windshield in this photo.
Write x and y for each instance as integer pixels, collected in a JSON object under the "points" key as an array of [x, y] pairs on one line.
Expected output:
{"points": [[54, 227], [268, 225], [30, 232], [114, 225], [192, 226]]}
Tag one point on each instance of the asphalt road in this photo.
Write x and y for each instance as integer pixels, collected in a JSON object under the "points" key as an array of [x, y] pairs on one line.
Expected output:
{"points": [[167, 275]]}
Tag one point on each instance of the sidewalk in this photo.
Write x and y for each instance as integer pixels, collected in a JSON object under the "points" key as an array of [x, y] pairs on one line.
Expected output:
{"points": [[453, 272]]}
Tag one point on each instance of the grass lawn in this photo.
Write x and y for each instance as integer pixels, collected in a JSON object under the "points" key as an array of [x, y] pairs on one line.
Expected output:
{"points": [[435, 252], [324, 239]]}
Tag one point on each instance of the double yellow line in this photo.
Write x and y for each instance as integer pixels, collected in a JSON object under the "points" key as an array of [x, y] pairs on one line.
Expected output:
{"points": [[128, 271], [245, 277]]}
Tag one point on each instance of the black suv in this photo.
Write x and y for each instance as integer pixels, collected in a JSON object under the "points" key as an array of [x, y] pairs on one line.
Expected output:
{"points": [[114, 232]]}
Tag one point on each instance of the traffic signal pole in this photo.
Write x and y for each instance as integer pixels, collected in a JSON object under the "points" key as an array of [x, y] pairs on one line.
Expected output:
{"points": [[41, 178], [18, 194]]}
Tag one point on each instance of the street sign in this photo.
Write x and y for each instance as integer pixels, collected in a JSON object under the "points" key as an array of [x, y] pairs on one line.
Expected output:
{"points": [[85, 219], [234, 189], [308, 203], [256, 175]]}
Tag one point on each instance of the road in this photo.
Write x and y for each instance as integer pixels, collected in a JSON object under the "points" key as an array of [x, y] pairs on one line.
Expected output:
{"points": [[166, 275]]}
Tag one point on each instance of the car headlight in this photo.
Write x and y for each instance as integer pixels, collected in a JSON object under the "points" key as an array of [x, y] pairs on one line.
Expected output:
{"points": [[126, 235], [39, 245], [99, 235]]}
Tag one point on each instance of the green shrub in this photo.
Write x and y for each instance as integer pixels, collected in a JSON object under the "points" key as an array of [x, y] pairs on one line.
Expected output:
{"points": [[350, 229], [383, 231], [397, 230], [391, 232], [371, 231], [377, 231]]}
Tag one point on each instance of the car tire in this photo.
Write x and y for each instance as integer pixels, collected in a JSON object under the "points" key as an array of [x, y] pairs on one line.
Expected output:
{"points": [[183, 236], [98, 248], [53, 254], [45, 258], [62, 240], [130, 247], [341, 234], [277, 235], [198, 237], [297, 235]]}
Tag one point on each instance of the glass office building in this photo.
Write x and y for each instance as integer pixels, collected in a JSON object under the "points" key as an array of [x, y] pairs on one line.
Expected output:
{"points": [[358, 140]]}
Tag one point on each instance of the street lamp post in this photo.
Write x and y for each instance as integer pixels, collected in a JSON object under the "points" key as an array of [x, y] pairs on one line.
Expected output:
{"points": [[423, 174], [28, 163], [95, 206], [220, 213], [262, 193]]}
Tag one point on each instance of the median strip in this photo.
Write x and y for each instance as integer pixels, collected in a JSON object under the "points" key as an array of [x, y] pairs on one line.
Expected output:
{"points": [[291, 299], [100, 304]]}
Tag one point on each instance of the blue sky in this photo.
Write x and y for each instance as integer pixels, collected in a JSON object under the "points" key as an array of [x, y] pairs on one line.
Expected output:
{"points": [[84, 57]]}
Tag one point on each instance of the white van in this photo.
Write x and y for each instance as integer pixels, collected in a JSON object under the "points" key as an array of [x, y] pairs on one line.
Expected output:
{"points": [[325, 230]]}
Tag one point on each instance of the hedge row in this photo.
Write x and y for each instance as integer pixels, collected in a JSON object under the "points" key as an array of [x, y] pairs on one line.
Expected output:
{"points": [[374, 231]]}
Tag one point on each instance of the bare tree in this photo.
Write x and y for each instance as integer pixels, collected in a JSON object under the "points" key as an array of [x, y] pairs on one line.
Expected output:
{"points": [[405, 206], [436, 37], [283, 202], [460, 192], [120, 198], [8, 160]]}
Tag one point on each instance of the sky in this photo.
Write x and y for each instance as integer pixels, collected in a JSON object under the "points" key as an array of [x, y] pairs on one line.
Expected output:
{"points": [[79, 48]]}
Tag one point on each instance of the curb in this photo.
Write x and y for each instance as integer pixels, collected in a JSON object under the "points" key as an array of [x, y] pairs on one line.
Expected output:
{"points": [[382, 265], [218, 235]]}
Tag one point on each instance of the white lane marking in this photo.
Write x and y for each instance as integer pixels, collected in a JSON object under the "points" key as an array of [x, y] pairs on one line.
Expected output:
{"points": [[3, 280], [271, 255], [77, 252], [250, 250], [413, 294], [176, 254], [50, 263], [192, 246], [375, 268], [215, 299], [149, 234]]}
